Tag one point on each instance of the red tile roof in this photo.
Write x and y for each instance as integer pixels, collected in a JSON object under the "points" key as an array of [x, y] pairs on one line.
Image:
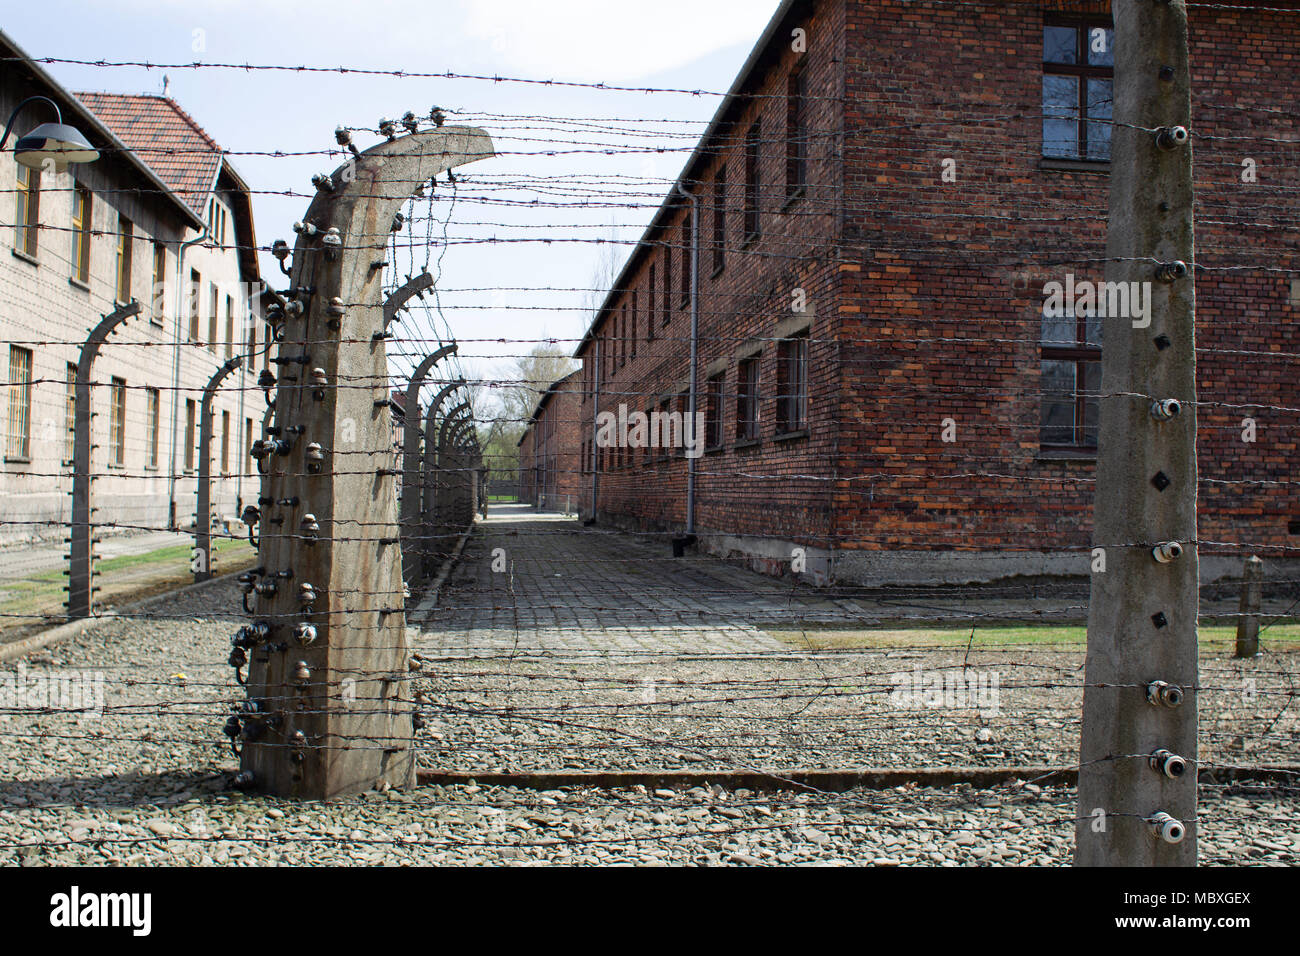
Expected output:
{"points": [[166, 138]]}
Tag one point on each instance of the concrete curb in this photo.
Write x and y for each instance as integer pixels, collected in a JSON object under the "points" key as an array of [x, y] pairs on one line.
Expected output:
{"points": [[430, 599], [24, 646]]}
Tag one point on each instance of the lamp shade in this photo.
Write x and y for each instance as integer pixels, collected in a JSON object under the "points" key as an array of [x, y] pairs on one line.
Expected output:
{"points": [[54, 141]]}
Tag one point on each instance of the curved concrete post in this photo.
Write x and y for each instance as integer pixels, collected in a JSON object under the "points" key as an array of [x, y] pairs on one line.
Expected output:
{"points": [[411, 484], [430, 480], [332, 713], [202, 564], [80, 557]]}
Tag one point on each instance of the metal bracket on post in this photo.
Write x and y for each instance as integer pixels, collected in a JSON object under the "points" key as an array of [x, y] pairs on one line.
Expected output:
{"points": [[1140, 683], [79, 569], [330, 676], [411, 484], [402, 294], [203, 508]]}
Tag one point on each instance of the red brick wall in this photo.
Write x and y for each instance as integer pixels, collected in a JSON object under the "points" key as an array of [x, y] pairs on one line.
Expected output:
{"points": [[926, 296]]}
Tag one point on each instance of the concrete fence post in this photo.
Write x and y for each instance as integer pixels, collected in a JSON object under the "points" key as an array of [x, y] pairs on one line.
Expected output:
{"points": [[81, 537], [1138, 751], [329, 709], [1252, 595], [202, 563]]}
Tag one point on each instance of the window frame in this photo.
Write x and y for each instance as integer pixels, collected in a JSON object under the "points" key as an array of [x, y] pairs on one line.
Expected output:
{"points": [[117, 421], [796, 137], [792, 397], [753, 224], [125, 250], [1081, 354], [18, 425], [82, 221], [27, 211], [1083, 71], [153, 418], [748, 398]]}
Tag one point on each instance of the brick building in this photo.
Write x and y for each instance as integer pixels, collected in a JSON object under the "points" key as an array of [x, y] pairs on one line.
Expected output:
{"points": [[882, 198], [162, 218], [549, 468]]}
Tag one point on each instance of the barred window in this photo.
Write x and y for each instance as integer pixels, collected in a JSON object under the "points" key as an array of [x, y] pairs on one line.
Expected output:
{"points": [[796, 133], [792, 383], [713, 411], [747, 399], [720, 219], [752, 181], [70, 414], [19, 438], [196, 281], [214, 302], [651, 292]]}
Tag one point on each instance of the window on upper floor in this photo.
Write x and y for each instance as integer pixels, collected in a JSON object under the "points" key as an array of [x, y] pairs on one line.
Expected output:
{"points": [[158, 297], [125, 245], [651, 291], [688, 222], [666, 300], [81, 222], [27, 212], [1070, 382], [796, 133], [720, 219], [747, 399], [752, 181], [1078, 78]]}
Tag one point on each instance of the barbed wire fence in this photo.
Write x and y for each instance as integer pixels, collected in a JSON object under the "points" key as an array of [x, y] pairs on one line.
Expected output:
{"points": [[590, 658]]}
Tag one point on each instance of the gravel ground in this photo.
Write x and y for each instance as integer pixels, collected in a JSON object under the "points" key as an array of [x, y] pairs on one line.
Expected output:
{"points": [[146, 782]]}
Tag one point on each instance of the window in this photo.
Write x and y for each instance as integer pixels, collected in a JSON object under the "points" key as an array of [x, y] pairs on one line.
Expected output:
{"points": [[70, 414], [125, 232], [747, 399], [251, 342], [81, 220], [651, 292], [687, 224], [622, 335], [248, 446], [117, 421], [719, 219], [796, 134], [230, 327], [1071, 380], [225, 442], [666, 300], [196, 281], [18, 443], [154, 403], [216, 222], [189, 434], [713, 411], [1078, 67], [792, 383], [28, 211], [632, 318], [751, 181], [158, 296], [214, 300]]}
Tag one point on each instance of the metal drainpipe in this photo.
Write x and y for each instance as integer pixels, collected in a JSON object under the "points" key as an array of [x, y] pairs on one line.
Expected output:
{"points": [[695, 354], [176, 369], [595, 415]]}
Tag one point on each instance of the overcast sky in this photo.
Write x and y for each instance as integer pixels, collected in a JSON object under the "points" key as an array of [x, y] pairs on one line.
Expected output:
{"points": [[670, 43]]}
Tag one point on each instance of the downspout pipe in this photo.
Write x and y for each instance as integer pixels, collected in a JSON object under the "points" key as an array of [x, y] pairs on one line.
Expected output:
{"points": [[176, 367], [595, 430], [688, 427]]}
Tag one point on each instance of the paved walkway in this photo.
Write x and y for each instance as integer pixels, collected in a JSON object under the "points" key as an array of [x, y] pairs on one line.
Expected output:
{"points": [[565, 589]]}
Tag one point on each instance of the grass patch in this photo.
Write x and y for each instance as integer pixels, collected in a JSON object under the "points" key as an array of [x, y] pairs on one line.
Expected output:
{"points": [[1276, 636], [35, 602]]}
